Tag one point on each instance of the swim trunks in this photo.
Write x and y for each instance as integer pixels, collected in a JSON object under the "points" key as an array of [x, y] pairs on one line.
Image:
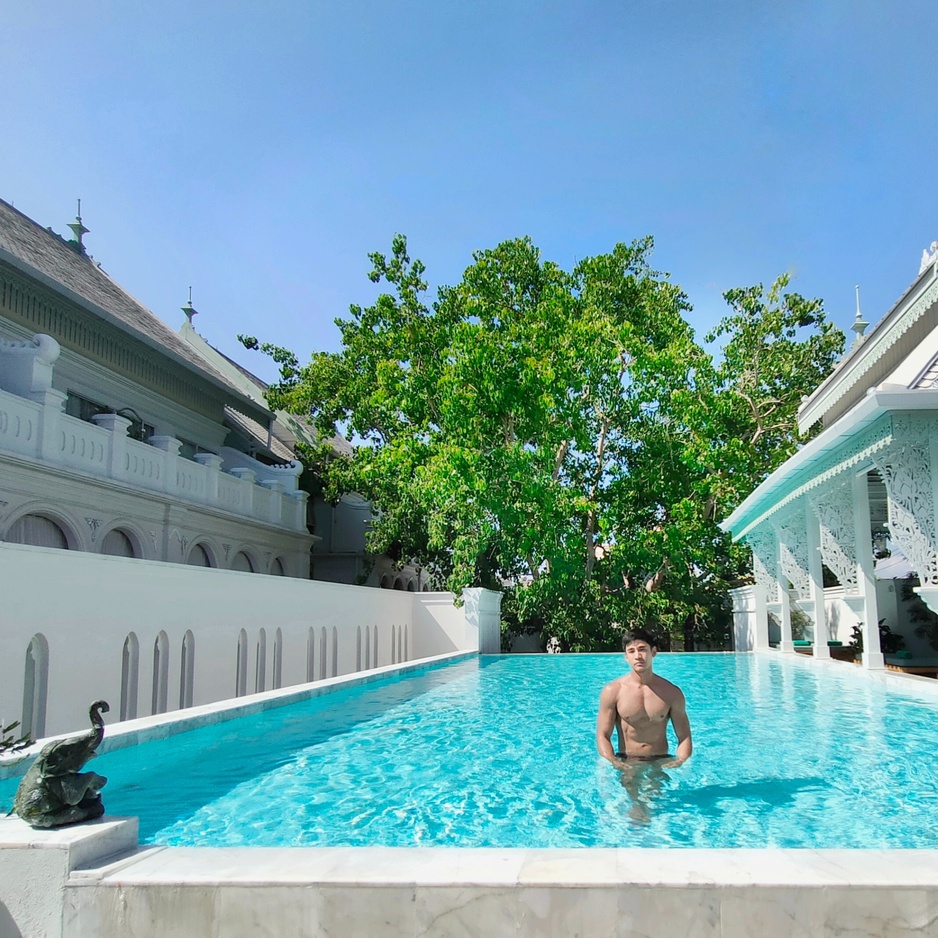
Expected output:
{"points": [[628, 758]]}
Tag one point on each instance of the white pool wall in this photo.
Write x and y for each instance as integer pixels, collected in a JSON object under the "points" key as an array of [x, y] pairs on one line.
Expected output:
{"points": [[83, 606]]}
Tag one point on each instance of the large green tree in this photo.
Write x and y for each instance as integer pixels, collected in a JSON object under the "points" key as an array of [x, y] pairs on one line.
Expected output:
{"points": [[557, 432]]}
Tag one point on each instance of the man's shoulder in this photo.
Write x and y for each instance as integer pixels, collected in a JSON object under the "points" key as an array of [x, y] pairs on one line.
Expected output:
{"points": [[666, 690], [615, 685]]}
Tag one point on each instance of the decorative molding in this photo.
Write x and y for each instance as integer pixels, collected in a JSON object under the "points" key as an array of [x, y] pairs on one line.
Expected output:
{"points": [[876, 347], [855, 453], [764, 548], [94, 524], [929, 257], [122, 352], [835, 512], [907, 471], [227, 548], [793, 551]]}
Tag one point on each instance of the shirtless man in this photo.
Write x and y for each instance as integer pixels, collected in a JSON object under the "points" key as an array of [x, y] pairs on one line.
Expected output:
{"points": [[638, 706]]}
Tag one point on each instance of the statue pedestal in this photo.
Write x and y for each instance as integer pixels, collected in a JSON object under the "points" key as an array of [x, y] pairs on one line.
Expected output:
{"points": [[35, 864]]}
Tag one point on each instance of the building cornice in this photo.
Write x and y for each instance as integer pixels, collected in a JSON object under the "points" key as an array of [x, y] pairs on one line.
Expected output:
{"points": [[848, 444], [862, 358], [30, 275]]}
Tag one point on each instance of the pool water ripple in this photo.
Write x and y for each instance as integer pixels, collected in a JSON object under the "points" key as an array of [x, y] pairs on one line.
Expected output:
{"points": [[500, 752]]}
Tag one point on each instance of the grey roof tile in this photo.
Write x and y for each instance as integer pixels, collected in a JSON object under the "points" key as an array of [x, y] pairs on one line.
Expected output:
{"points": [[49, 258]]}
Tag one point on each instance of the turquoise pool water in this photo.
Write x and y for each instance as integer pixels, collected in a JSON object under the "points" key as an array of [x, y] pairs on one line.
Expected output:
{"points": [[500, 752]]}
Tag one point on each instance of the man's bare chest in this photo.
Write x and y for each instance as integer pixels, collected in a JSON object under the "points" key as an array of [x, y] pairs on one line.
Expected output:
{"points": [[642, 705]]}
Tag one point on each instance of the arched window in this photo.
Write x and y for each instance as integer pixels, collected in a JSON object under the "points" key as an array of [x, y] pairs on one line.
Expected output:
{"points": [[241, 676], [187, 670], [278, 659], [386, 581], [311, 654], [35, 687], [158, 698], [335, 651], [399, 583], [411, 586], [116, 543], [260, 662], [358, 650], [38, 531], [322, 655], [198, 557], [130, 672], [367, 647], [242, 562], [276, 568]]}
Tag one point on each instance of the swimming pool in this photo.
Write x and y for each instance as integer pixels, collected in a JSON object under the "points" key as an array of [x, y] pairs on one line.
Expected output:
{"points": [[499, 752]]}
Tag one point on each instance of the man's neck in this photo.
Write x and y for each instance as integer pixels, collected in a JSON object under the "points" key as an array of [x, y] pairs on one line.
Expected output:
{"points": [[645, 678]]}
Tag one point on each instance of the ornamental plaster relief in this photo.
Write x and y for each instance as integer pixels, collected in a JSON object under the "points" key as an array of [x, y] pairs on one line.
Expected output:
{"points": [[833, 506]]}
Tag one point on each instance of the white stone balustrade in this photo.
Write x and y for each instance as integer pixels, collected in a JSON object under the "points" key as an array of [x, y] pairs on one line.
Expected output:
{"points": [[40, 430]]}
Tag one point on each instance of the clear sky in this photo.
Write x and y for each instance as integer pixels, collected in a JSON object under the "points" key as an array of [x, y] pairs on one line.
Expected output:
{"points": [[259, 150]]}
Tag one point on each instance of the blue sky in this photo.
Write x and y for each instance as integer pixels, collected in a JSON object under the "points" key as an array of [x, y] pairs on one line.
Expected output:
{"points": [[259, 151]]}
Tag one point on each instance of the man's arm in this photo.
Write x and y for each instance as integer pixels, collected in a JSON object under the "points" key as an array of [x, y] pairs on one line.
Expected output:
{"points": [[681, 724], [606, 722]]}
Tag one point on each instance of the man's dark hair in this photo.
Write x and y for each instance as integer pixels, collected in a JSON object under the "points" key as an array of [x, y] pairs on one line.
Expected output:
{"points": [[639, 635]]}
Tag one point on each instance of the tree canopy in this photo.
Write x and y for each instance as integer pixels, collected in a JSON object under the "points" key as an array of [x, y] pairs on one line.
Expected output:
{"points": [[561, 434]]}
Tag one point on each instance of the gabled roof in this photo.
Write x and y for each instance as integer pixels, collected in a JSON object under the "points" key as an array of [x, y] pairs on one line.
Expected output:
{"points": [[49, 259], [868, 362]]}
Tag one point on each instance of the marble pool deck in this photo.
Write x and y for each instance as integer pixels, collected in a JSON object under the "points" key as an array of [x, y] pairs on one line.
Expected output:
{"points": [[96, 881], [93, 881]]}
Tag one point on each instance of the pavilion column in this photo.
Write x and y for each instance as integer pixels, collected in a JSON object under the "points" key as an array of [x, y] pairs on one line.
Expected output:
{"points": [[867, 612], [906, 467], [798, 541], [765, 571]]}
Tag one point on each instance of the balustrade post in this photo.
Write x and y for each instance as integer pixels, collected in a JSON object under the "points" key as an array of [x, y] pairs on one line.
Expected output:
{"points": [[50, 417], [170, 446], [117, 427], [247, 476], [212, 463]]}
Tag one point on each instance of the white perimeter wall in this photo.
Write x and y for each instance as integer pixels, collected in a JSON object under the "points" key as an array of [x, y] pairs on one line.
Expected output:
{"points": [[85, 605]]}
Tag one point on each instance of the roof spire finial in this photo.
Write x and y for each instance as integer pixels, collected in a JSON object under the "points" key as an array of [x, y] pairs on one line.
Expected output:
{"points": [[79, 231], [188, 308], [859, 324]]}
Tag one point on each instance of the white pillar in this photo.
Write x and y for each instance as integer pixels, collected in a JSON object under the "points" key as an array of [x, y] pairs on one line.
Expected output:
{"points": [[815, 599], [866, 578]]}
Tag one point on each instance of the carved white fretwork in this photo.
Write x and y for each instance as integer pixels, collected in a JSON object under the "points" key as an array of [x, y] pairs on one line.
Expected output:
{"points": [[833, 506], [929, 257], [906, 469], [764, 559], [793, 551]]}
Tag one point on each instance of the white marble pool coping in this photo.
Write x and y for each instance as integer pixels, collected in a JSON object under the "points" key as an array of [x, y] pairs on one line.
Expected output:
{"points": [[108, 889]]}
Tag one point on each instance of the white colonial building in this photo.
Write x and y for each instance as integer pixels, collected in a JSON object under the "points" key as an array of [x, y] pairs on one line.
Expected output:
{"points": [[116, 438], [859, 498]]}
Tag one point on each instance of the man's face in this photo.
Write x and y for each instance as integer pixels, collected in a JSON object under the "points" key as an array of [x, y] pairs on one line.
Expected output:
{"points": [[639, 655]]}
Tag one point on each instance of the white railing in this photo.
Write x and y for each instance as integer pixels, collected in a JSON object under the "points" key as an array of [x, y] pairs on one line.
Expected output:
{"points": [[40, 430]]}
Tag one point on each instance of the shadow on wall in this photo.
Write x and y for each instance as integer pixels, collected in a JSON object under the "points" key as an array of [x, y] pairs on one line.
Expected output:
{"points": [[8, 928]]}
